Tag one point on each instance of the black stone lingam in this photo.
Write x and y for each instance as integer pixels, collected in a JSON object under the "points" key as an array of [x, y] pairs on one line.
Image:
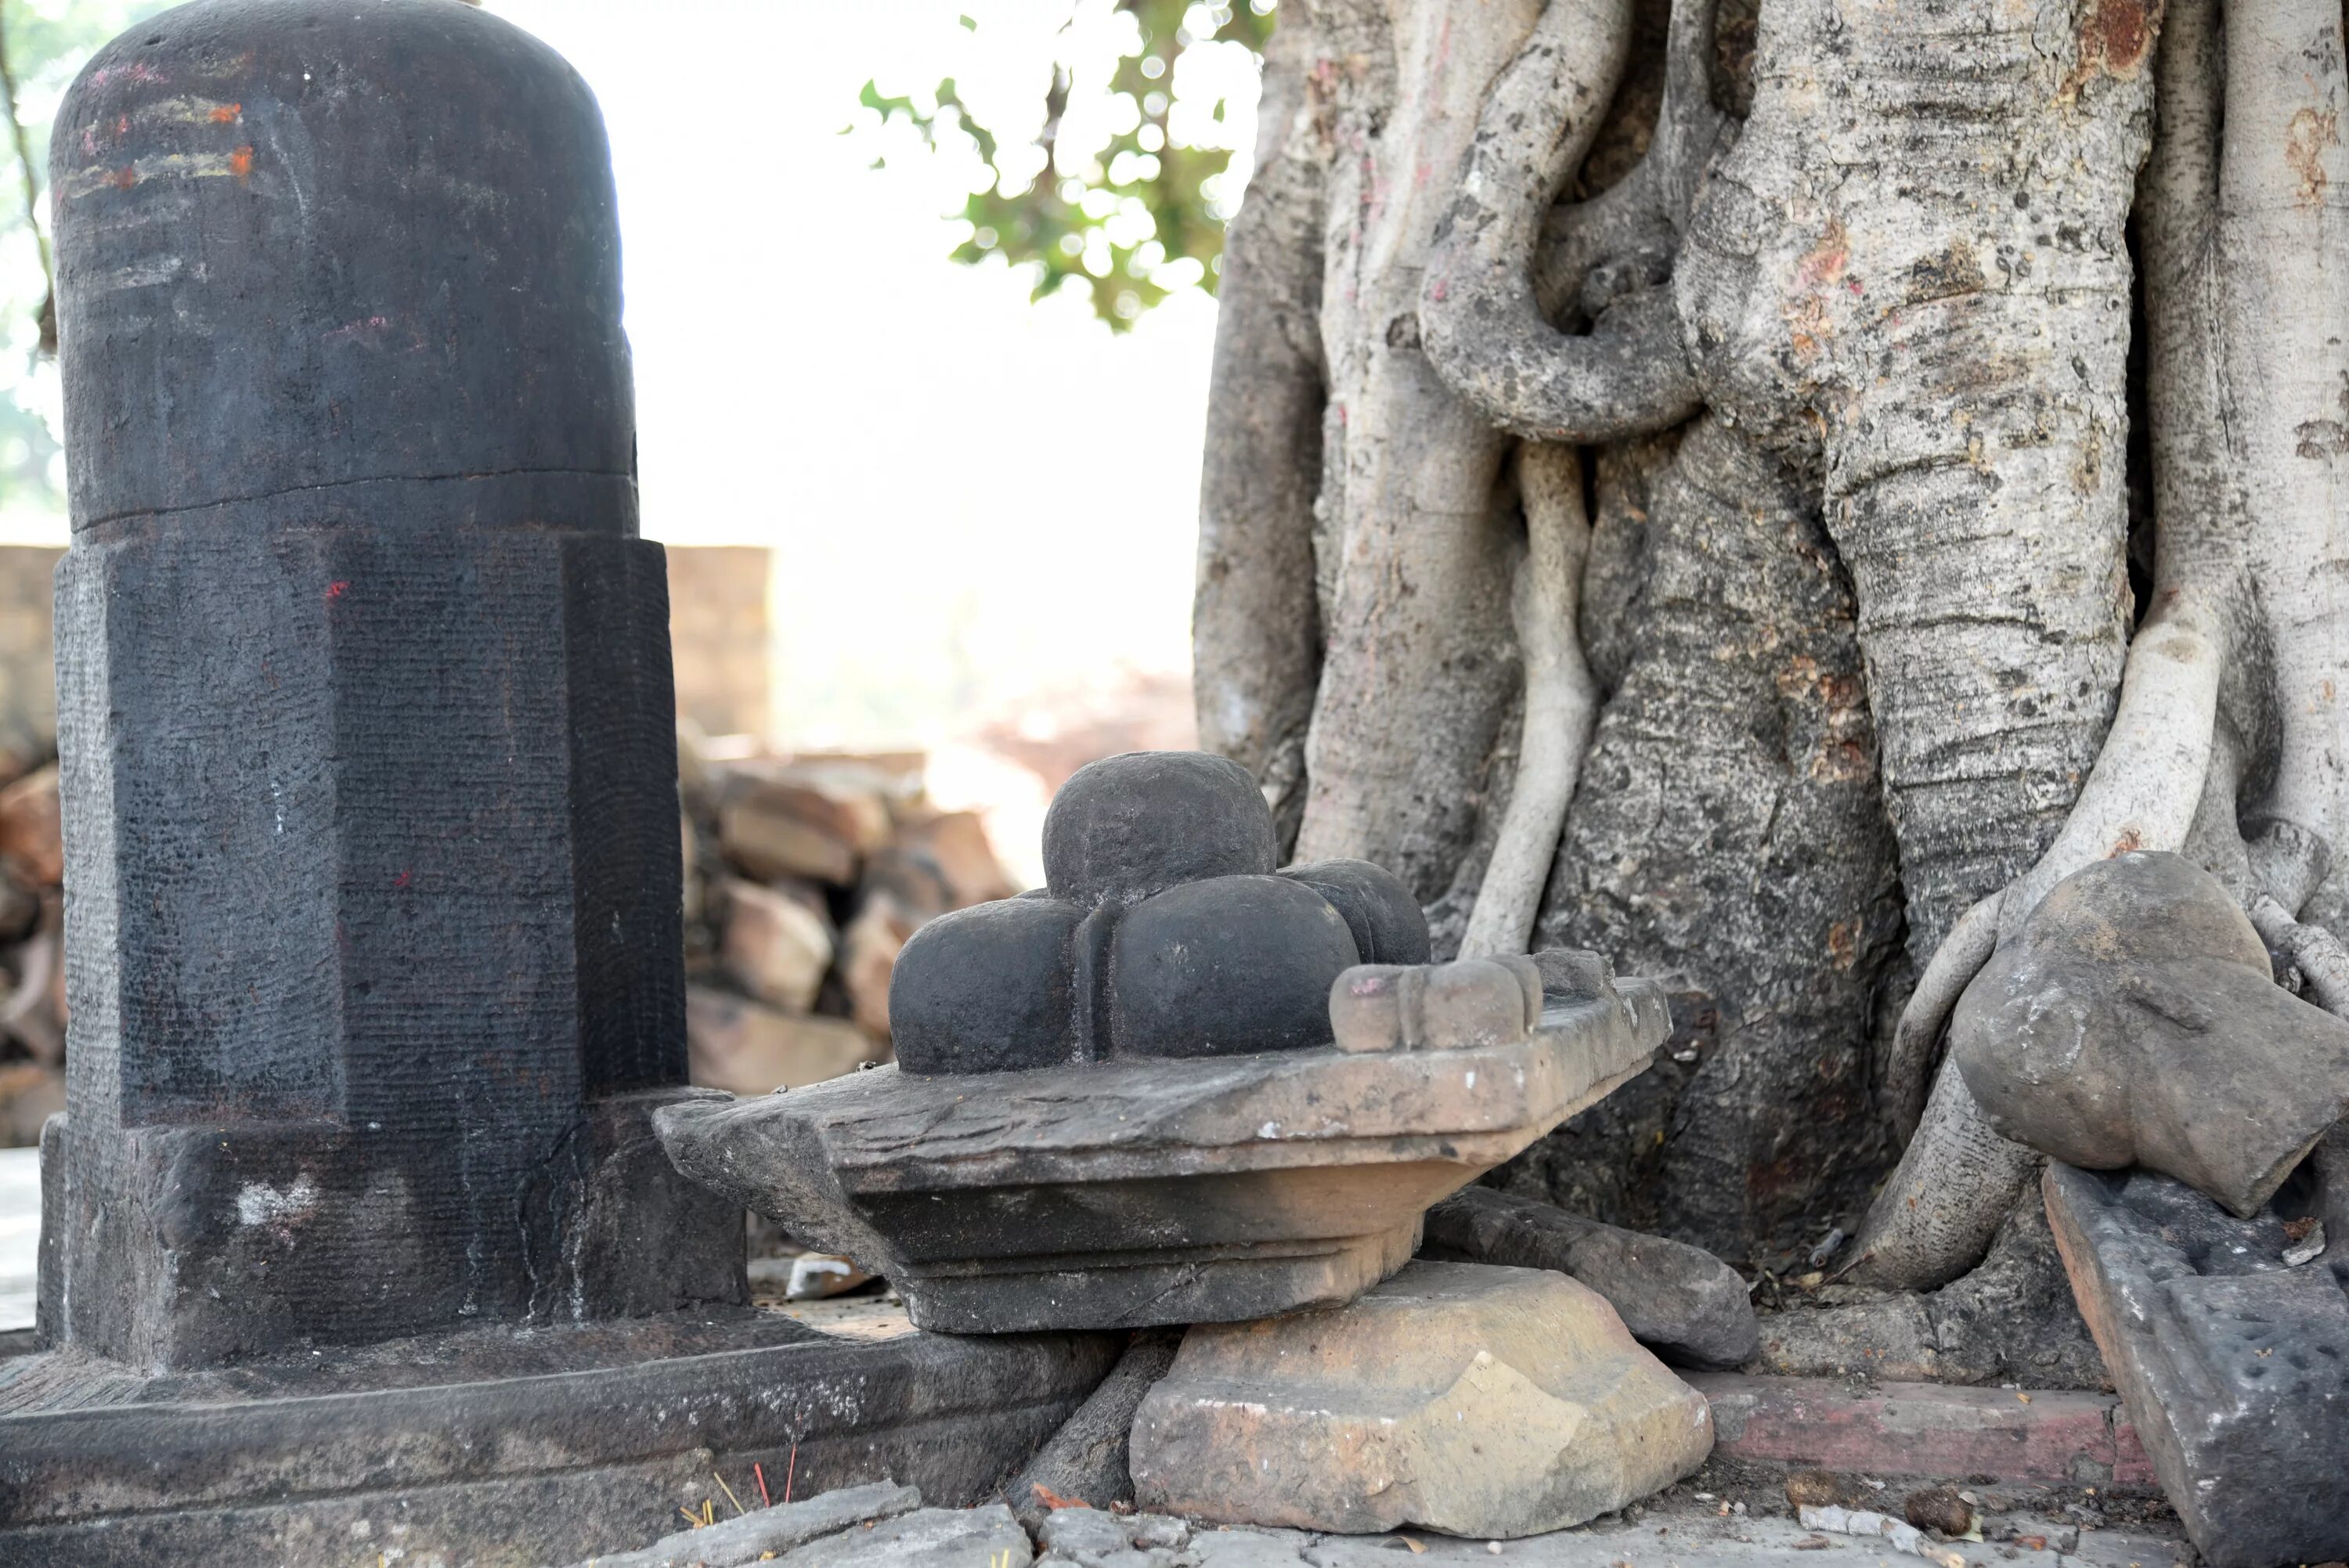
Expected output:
{"points": [[1162, 931]]}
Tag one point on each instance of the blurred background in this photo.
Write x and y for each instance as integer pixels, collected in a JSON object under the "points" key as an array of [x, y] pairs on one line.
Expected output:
{"points": [[921, 299]]}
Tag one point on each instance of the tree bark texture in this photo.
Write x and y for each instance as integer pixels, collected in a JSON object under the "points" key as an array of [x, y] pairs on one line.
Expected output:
{"points": [[1835, 301]]}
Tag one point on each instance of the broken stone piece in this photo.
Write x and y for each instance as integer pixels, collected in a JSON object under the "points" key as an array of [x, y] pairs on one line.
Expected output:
{"points": [[1092, 1538], [1162, 931], [1679, 1300], [1474, 1401], [926, 1538], [2234, 1368], [1128, 1193], [2135, 1020], [770, 1531]]}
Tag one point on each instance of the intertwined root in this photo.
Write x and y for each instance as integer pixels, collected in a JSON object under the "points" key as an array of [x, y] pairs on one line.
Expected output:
{"points": [[2251, 508]]}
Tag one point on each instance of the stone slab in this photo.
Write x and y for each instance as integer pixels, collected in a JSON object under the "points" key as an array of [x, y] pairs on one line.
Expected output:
{"points": [[768, 1532], [1139, 1192], [502, 1449], [2234, 1366], [1459, 1398], [2044, 1438]]}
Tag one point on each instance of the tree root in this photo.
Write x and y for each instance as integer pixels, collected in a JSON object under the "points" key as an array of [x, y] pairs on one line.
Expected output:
{"points": [[1561, 703], [1481, 321], [1908, 1072]]}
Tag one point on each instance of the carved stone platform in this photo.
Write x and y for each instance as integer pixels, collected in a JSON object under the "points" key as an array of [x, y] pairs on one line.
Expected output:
{"points": [[1136, 1192], [505, 1449], [2233, 1363]]}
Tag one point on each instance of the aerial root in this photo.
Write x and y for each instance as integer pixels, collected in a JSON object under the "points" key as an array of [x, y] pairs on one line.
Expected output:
{"points": [[1561, 703]]}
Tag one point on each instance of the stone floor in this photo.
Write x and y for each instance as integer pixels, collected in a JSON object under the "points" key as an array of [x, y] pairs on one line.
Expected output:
{"points": [[20, 1234]]}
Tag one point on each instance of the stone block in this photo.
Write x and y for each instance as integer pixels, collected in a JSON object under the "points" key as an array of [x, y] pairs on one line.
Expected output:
{"points": [[776, 947], [1678, 1300], [2054, 1438], [2135, 1020], [1471, 1400], [1135, 1192], [492, 1447], [2233, 1365], [31, 828], [747, 1047]]}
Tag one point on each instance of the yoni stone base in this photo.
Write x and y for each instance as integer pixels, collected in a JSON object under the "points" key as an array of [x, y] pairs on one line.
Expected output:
{"points": [[1471, 1400], [2234, 1365]]}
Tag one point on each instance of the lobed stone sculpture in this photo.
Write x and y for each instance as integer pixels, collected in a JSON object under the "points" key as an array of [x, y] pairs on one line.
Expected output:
{"points": [[1119, 1102], [2135, 1020], [1162, 931], [372, 850]]}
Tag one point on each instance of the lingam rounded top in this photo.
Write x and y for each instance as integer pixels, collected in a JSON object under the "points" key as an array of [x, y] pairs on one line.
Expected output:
{"points": [[1107, 835], [1162, 931], [352, 253]]}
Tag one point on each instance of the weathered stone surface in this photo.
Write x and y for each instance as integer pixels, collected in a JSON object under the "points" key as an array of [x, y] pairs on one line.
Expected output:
{"points": [[1138, 1192], [1225, 966], [1388, 925], [1679, 1300], [505, 1449], [2233, 1365], [366, 727], [1472, 1400], [2053, 1437], [776, 947], [1162, 933], [1435, 1006], [2135, 1020], [927, 1538], [1089, 1538], [747, 1047], [768, 1531], [1085, 1461], [1129, 826]]}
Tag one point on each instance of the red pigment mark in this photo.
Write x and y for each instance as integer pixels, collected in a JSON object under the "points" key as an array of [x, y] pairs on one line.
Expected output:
{"points": [[403, 879], [89, 140], [224, 113], [240, 162], [1441, 290], [126, 177], [1824, 264], [338, 588], [121, 127]]}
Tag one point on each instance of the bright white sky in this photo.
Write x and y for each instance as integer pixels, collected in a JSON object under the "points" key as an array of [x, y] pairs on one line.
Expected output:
{"points": [[968, 495]]}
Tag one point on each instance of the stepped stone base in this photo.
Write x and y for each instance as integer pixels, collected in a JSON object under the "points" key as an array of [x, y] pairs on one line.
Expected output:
{"points": [[501, 1447], [1129, 1194]]}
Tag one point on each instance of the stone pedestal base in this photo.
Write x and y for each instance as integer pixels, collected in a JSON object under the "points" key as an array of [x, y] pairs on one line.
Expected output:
{"points": [[2234, 1365], [1127, 1195], [506, 1447]]}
